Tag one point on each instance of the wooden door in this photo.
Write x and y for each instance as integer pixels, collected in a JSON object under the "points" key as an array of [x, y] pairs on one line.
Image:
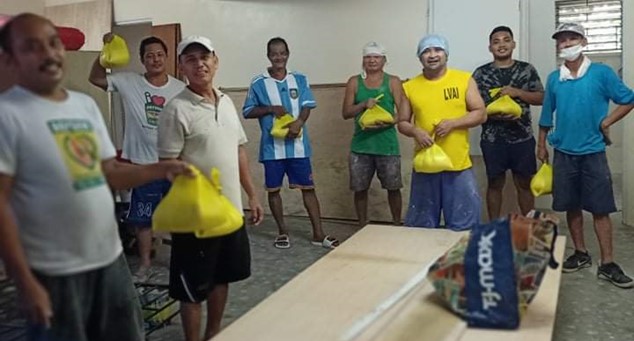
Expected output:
{"points": [[171, 35]]}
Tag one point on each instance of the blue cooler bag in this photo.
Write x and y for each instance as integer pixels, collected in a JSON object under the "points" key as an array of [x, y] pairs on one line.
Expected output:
{"points": [[490, 276]]}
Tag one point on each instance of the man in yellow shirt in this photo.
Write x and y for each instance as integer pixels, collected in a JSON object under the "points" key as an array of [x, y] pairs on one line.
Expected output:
{"points": [[444, 103]]}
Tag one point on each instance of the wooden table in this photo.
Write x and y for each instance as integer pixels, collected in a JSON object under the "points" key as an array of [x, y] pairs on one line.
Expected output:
{"points": [[353, 284]]}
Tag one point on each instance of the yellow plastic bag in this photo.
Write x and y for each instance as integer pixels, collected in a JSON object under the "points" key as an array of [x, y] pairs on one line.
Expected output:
{"points": [[542, 182], [280, 125], [196, 204], [504, 105], [115, 53], [375, 116], [432, 160]]}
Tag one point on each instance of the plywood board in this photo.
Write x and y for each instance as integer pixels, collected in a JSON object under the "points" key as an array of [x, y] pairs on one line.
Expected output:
{"points": [[328, 298]]}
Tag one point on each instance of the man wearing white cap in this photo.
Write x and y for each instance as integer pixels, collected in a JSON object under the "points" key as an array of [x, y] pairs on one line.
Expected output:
{"points": [[374, 149], [201, 125], [444, 103], [143, 97], [576, 109]]}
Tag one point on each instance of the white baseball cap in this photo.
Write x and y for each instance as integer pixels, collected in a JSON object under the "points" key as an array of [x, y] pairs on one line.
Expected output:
{"points": [[570, 27], [204, 41]]}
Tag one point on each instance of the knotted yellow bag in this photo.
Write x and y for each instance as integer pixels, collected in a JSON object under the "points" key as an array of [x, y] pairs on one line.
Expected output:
{"points": [[432, 160], [280, 126], [196, 204], [115, 53], [375, 116], [542, 182], [504, 105]]}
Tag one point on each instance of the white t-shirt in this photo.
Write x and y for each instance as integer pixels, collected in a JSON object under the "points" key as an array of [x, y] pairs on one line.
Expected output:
{"points": [[206, 136], [62, 204], [142, 104]]}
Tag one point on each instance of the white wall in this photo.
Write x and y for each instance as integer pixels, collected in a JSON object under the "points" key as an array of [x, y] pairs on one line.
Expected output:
{"points": [[628, 125], [325, 37], [18, 6]]}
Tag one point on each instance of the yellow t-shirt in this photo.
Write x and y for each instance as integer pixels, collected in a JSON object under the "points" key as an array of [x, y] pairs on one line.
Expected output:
{"points": [[444, 98]]}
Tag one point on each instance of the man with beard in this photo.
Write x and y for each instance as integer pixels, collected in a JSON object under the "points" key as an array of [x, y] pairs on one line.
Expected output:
{"points": [[59, 235], [444, 104], [507, 141], [143, 97]]}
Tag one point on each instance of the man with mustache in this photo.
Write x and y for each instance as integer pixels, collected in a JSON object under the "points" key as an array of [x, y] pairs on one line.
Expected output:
{"points": [[60, 241], [576, 109], [201, 126], [444, 103], [507, 141], [143, 97]]}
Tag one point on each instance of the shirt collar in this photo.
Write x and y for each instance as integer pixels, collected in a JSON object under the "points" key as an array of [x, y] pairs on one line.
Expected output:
{"points": [[197, 99]]}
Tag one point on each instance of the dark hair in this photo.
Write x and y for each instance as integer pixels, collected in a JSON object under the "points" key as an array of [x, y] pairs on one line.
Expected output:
{"points": [[149, 41], [276, 40], [501, 29], [7, 29]]}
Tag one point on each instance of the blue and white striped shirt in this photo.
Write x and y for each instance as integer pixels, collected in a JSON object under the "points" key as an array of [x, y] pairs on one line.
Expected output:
{"points": [[293, 93]]}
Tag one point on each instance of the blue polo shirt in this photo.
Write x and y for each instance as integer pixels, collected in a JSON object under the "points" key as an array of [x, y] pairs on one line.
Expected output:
{"points": [[575, 108]]}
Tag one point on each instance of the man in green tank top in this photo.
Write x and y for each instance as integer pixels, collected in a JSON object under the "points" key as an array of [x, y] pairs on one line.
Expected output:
{"points": [[374, 148]]}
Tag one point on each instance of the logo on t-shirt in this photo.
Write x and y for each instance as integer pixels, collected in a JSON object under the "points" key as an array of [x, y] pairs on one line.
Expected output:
{"points": [[153, 107], [294, 93], [451, 93], [80, 151]]}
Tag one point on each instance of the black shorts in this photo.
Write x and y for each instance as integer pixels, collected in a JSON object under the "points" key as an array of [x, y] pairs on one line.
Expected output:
{"points": [[582, 182], [197, 265], [518, 157]]}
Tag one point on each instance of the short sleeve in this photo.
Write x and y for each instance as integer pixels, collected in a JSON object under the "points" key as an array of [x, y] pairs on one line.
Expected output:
{"points": [[534, 82], [115, 80], [617, 91], [107, 150], [307, 100], [9, 136], [171, 132], [251, 101], [549, 105]]}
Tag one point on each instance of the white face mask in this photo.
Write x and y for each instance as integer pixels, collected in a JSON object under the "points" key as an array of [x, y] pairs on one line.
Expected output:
{"points": [[571, 53]]}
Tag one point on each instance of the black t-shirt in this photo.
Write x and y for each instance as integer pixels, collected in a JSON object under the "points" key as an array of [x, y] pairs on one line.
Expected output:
{"points": [[520, 75]]}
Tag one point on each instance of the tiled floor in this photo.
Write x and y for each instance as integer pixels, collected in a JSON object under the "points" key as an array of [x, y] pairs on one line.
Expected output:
{"points": [[589, 309]]}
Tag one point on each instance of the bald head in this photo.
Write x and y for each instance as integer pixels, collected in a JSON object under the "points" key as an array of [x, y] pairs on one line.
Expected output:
{"points": [[18, 23], [33, 49]]}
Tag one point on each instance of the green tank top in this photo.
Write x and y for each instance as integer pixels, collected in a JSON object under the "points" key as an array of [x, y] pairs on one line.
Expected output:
{"points": [[375, 142]]}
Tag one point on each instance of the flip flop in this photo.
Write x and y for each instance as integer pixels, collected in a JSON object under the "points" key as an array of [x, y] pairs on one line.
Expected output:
{"points": [[282, 241], [328, 242]]}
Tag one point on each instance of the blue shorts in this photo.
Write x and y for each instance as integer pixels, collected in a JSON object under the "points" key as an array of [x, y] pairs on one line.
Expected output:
{"points": [[518, 157], [454, 194], [144, 200], [582, 182], [298, 170]]}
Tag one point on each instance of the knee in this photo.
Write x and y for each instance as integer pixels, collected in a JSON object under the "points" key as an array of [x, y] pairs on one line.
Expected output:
{"points": [[497, 183], [522, 182]]}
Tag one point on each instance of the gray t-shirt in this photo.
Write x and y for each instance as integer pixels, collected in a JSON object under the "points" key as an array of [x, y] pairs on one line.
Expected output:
{"points": [[142, 104], [62, 204]]}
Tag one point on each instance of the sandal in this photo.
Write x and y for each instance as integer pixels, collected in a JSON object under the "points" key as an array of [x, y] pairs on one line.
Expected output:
{"points": [[328, 242], [282, 241]]}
